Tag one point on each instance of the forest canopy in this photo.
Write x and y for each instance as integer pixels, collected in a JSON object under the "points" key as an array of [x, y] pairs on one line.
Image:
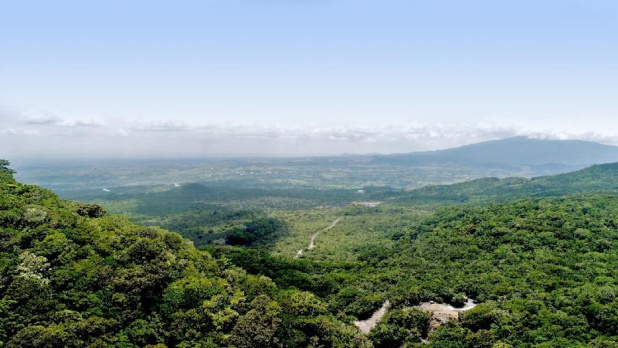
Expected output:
{"points": [[542, 272], [73, 276]]}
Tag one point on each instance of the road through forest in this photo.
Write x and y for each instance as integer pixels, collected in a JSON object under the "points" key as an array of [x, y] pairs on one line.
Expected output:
{"points": [[315, 235], [440, 314]]}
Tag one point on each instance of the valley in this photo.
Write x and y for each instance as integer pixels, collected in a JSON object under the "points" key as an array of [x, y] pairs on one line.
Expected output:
{"points": [[381, 266], [309, 174]]}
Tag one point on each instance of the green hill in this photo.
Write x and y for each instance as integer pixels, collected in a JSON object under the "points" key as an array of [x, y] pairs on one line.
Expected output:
{"points": [[544, 271], [73, 276], [597, 178]]}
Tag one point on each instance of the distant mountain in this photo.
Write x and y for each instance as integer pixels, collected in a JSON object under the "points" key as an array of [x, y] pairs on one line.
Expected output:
{"points": [[519, 150], [594, 179]]}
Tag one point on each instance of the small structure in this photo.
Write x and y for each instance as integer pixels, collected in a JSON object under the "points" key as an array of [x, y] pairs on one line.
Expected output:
{"points": [[367, 204]]}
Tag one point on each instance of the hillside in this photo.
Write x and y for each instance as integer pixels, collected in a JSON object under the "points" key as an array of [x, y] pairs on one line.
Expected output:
{"points": [[520, 150], [543, 270], [597, 178], [73, 276]]}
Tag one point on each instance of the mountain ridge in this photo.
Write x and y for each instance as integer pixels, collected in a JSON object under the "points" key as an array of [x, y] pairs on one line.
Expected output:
{"points": [[596, 178], [519, 150]]}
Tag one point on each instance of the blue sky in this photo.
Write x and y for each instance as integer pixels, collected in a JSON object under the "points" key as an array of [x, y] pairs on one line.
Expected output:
{"points": [[142, 78]]}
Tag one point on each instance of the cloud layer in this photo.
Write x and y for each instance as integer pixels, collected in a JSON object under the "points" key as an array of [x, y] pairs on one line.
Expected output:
{"points": [[45, 133]]}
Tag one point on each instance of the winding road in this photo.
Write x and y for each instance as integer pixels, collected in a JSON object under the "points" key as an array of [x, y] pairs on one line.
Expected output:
{"points": [[366, 325], [315, 235], [440, 314]]}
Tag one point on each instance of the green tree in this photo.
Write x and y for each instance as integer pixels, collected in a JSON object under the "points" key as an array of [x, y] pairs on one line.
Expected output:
{"points": [[4, 167], [400, 326], [257, 328]]}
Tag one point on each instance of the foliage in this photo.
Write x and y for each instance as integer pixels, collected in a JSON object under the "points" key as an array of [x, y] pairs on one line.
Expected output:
{"points": [[401, 327], [4, 167], [543, 268], [73, 276], [597, 178], [258, 230]]}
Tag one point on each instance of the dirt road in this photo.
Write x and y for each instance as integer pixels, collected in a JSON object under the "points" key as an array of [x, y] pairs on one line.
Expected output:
{"points": [[366, 325], [440, 314], [315, 235]]}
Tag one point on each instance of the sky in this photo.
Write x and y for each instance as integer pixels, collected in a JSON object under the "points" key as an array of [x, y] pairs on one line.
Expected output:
{"points": [[301, 77]]}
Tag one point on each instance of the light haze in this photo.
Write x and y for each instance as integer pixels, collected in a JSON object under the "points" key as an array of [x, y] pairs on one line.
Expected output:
{"points": [[296, 77]]}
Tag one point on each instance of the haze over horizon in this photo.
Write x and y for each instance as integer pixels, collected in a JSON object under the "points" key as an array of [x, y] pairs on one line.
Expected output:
{"points": [[281, 77]]}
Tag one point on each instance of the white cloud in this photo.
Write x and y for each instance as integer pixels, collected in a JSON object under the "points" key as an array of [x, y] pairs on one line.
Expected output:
{"points": [[40, 117], [15, 131], [46, 118], [160, 126], [83, 123], [48, 133]]}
